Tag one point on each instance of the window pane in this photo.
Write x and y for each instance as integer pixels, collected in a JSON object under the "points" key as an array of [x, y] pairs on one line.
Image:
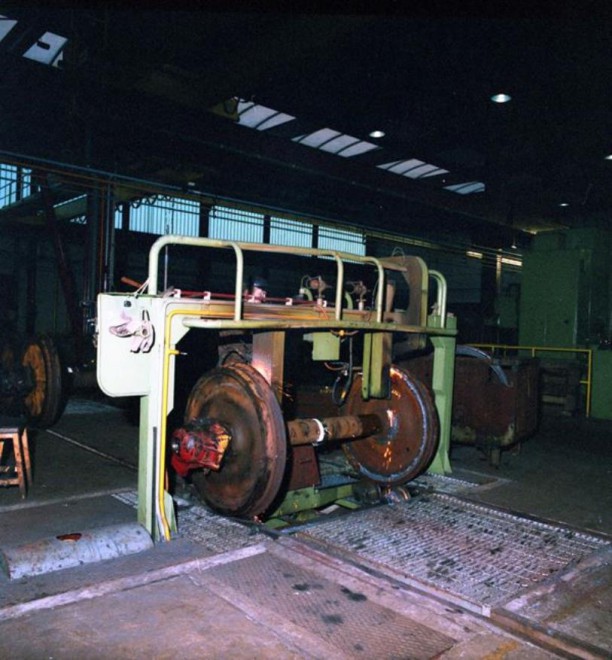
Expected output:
{"points": [[166, 215], [290, 232], [14, 183], [230, 224], [341, 240]]}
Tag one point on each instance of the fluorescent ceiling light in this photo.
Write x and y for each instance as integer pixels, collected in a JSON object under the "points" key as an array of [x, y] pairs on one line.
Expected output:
{"points": [[563, 204], [501, 98], [466, 188], [260, 117], [608, 157], [377, 134], [413, 168], [474, 254], [6, 25], [327, 139], [47, 50], [511, 262]]}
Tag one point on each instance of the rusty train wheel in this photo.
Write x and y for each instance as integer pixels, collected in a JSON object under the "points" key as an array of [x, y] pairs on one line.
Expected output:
{"points": [[33, 380], [253, 467], [407, 446], [45, 401]]}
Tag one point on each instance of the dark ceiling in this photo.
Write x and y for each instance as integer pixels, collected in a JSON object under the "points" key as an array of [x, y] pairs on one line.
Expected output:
{"points": [[134, 90]]}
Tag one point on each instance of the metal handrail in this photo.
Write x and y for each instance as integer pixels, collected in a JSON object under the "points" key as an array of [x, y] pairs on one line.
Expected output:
{"points": [[441, 295], [239, 248], [588, 381]]}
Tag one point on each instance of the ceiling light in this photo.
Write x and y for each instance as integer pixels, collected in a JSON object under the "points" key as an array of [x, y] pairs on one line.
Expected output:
{"points": [[501, 98], [563, 204], [608, 157], [377, 134]]}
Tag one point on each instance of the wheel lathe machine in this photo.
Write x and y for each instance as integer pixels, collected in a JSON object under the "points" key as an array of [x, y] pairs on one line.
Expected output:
{"points": [[239, 444]]}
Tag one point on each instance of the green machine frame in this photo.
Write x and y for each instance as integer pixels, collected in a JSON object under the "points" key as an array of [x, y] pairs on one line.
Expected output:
{"points": [[143, 364]]}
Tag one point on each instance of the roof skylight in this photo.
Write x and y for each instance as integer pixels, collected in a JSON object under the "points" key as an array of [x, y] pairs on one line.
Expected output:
{"points": [[47, 50], [260, 117], [6, 25], [467, 188], [326, 139], [413, 168]]}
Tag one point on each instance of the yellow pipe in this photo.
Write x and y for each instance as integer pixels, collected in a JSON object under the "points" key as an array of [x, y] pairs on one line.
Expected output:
{"points": [[161, 475]]}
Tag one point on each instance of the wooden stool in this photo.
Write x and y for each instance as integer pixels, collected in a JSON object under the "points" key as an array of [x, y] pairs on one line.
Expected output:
{"points": [[21, 473]]}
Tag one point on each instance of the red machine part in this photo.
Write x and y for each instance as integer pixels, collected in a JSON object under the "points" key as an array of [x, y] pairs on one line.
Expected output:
{"points": [[199, 444]]}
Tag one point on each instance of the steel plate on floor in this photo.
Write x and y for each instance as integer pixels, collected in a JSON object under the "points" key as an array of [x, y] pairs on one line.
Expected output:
{"points": [[345, 620]]}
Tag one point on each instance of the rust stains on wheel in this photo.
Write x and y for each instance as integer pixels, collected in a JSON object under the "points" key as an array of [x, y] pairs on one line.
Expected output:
{"points": [[253, 466], [406, 447]]}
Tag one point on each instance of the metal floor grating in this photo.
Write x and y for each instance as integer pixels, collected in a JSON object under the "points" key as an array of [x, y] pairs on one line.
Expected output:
{"points": [[479, 555], [346, 620], [215, 533]]}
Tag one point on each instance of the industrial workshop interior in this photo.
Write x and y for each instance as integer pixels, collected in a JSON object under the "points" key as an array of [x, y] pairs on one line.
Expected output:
{"points": [[305, 332]]}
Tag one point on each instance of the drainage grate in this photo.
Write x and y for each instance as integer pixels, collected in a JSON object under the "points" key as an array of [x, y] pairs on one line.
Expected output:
{"points": [[480, 556], [346, 620]]}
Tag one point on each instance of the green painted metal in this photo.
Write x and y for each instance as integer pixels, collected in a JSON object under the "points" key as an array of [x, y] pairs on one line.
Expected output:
{"points": [[601, 401], [376, 365], [147, 477], [146, 472], [312, 498], [565, 289], [442, 384], [325, 346]]}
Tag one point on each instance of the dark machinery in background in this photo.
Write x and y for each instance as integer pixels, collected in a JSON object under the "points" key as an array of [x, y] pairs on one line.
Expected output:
{"points": [[32, 380], [495, 400]]}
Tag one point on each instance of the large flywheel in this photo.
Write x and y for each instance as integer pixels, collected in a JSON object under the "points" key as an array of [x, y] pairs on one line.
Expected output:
{"points": [[407, 444], [239, 399]]}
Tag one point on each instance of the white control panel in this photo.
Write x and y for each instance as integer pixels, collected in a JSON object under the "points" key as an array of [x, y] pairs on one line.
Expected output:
{"points": [[126, 344]]}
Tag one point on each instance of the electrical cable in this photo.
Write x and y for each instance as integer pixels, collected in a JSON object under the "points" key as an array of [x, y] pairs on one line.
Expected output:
{"points": [[339, 393]]}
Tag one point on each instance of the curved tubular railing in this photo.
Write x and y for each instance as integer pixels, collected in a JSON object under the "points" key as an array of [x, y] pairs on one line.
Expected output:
{"points": [[441, 295], [239, 248]]}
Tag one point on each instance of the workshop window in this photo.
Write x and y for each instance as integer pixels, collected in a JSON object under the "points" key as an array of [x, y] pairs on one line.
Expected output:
{"points": [[228, 224], [165, 215], [290, 232], [342, 240], [15, 183]]}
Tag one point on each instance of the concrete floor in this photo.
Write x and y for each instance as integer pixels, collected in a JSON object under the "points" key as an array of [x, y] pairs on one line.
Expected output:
{"points": [[563, 473], [178, 600]]}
